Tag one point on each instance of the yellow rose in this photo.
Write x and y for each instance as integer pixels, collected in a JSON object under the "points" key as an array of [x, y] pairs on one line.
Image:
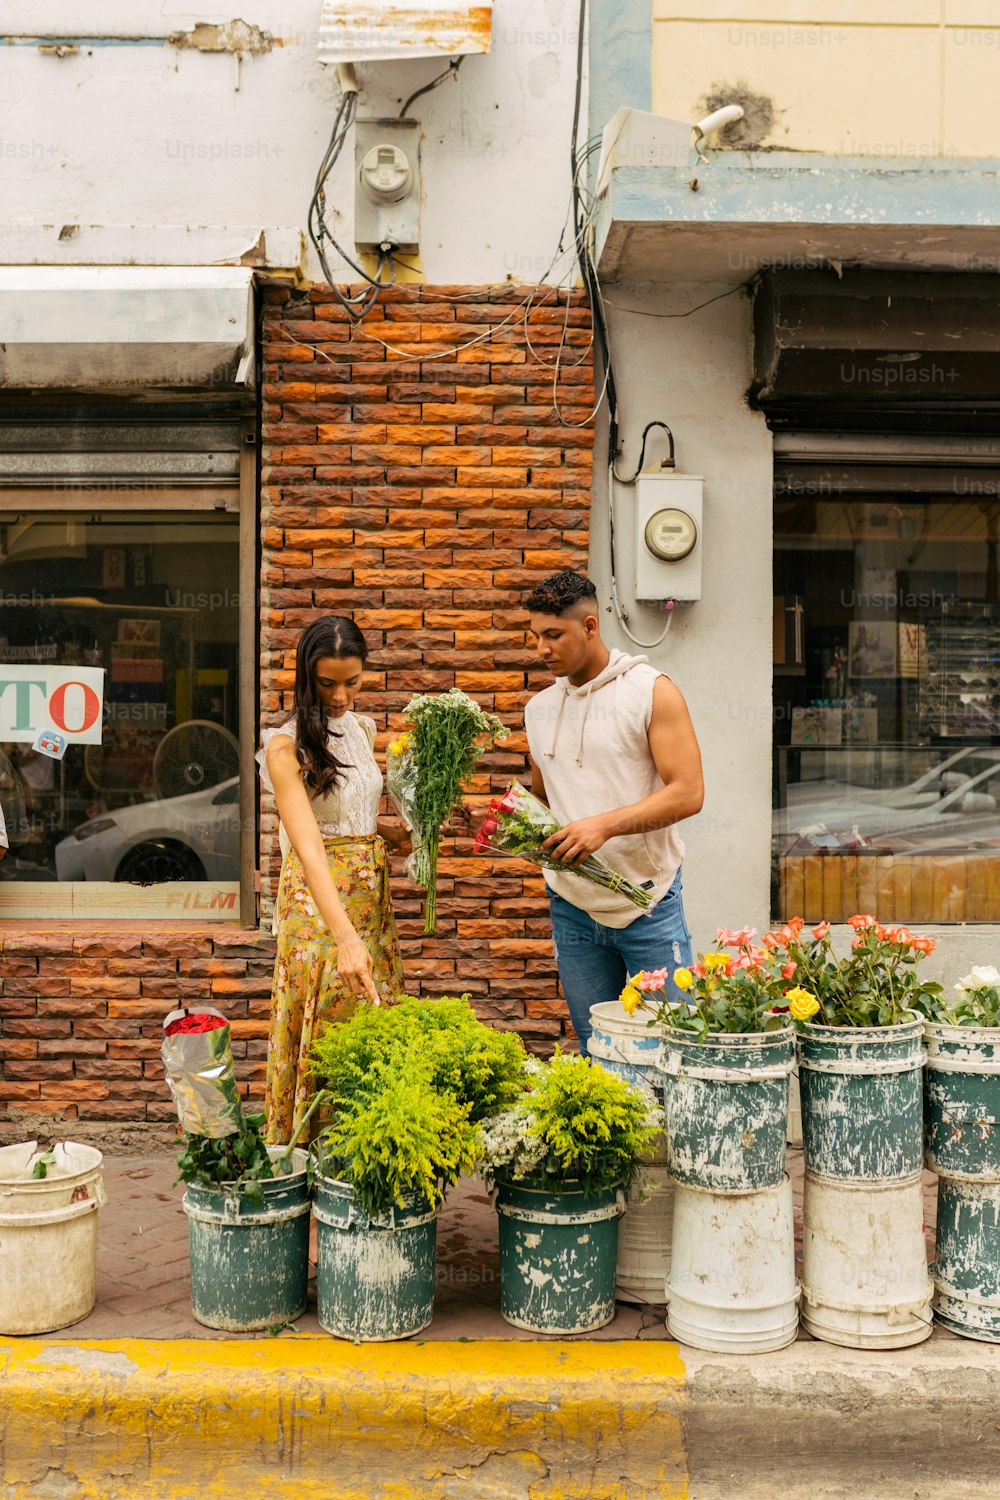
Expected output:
{"points": [[715, 960], [398, 745], [683, 978], [630, 999], [801, 1004]]}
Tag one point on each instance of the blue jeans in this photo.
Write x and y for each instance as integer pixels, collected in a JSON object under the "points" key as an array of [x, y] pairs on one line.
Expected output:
{"points": [[594, 961]]}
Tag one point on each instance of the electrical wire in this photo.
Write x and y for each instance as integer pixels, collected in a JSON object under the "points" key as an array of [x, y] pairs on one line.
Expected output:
{"points": [[449, 72], [639, 312], [583, 221], [642, 453], [616, 602], [357, 305]]}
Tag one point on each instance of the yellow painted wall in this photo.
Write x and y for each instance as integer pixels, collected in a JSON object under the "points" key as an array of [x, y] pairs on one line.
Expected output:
{"points": [[861, 77]]}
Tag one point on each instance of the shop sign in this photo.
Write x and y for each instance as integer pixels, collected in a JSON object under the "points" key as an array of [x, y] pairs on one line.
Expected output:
{"points": [[68, 700]]}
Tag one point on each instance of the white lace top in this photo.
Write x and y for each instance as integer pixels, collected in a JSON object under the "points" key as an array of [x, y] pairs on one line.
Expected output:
{"points": [[351, 808]]}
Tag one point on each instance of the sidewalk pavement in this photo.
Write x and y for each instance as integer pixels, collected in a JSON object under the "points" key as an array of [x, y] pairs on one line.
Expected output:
{"points": [[139, 1400], [143, 1289]]}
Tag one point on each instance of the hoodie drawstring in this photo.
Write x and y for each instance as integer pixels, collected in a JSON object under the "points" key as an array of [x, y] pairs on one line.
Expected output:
{"points": [[618, 664], [555, 733], [583, 720]]}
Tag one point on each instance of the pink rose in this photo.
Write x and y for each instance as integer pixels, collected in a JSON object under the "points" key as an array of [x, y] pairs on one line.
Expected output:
{"points": [[652, 979], [736, 937]]}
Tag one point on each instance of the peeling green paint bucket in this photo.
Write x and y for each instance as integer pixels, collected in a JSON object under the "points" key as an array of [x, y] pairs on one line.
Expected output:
{"points": [[862, 1100], [630, 1048], [374, 1276], [966, 1272], [962, 1101], [558, 1254], [250, 1261], [726, 1107]]}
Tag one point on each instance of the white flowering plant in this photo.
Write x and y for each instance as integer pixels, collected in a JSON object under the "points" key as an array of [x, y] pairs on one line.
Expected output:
{"points": [[428, 767], [976, 1000]]}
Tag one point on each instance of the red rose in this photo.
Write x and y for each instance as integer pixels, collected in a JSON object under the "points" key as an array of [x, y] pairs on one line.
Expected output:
{"points": [[194, 1023]]}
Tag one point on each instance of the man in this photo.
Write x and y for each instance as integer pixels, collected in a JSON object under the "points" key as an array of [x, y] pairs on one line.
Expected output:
{"points": [[614, 755]]}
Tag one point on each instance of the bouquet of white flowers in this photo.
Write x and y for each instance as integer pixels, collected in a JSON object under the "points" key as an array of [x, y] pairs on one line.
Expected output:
{"points": [[427, 768]]}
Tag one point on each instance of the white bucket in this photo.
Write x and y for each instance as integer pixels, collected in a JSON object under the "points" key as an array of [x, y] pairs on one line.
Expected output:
{"points": [[625, 1045], [732, 1276], [865, 1282], [645, 1231], [48, 1237]]}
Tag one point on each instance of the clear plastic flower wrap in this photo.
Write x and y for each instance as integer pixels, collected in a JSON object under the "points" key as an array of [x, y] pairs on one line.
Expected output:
{"points": [[518, 824]]}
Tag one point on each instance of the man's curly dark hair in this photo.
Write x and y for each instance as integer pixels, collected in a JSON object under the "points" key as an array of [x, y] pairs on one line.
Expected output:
{"points": [[555, 595]]}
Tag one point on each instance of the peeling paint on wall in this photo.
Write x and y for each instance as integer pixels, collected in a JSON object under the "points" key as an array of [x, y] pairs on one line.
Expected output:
{"points": [[233, 36]]}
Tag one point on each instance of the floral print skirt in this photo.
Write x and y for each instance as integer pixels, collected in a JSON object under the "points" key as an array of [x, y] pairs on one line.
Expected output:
{"points": [[308, 992]]}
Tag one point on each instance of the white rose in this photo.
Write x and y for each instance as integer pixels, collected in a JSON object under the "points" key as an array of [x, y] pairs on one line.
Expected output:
{"points": [[982, 977]]}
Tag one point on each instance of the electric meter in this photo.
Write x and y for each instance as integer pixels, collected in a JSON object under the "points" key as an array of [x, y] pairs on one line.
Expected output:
{"points": [[668, 535], [671, 534], [386, 173]]}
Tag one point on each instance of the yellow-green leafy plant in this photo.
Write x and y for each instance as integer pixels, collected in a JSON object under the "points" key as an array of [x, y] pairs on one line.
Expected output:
{"points": [[408, 1085], [577, 1125]]}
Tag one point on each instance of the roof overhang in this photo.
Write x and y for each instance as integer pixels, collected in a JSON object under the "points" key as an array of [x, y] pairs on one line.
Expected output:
{"points": [[724, 216], [126, 328]]}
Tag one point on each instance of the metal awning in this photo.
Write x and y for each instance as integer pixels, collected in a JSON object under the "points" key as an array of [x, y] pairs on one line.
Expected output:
{"points": [[666, 213], [126, 328]]}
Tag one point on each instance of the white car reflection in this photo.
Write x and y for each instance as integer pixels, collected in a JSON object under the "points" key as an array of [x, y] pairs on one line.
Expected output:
{"points": [[956, 804], [195, 837]]}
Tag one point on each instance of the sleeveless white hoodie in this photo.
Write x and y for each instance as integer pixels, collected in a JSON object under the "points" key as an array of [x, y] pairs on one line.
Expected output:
{"points": [[591, 746]]}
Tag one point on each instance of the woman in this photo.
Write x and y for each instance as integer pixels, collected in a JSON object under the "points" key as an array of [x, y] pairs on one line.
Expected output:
{"points": [[336, 933]]}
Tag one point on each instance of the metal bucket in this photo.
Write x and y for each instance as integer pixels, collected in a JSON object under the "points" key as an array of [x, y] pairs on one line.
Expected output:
{"points": [[250, 1262], [646, 1229], [631, 1049], [962, 1101], [862, 1100], [558, 1252], [732, 1277], [625, 1044], [966, 1272], [374, 1276], [726, 1107], [864, 1262], [48, 1239]]}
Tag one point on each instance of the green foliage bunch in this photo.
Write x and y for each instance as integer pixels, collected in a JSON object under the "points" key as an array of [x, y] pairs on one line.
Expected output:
{"points": [[480, 1067], [403, 1139], [239, 1160], [449, 733], [409, 1084], [578, 1123]]}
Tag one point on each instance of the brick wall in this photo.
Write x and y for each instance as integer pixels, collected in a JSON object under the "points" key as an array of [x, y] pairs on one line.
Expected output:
{"points": [[422, 489]]}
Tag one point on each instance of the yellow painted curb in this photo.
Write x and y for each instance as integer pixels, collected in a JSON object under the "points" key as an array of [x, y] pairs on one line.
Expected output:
{"points": [[323, 1420]]}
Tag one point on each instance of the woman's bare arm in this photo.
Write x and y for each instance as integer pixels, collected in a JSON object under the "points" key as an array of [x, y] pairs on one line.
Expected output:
{"points": [[354, 962]]}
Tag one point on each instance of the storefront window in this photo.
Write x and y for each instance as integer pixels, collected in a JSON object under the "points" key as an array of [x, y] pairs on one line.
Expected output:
{"points": [[886, 697], [147, 820]]}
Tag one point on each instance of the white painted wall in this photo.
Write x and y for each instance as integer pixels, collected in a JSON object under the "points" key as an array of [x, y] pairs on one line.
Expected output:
{"points": [[162, 139], [692, 372]]}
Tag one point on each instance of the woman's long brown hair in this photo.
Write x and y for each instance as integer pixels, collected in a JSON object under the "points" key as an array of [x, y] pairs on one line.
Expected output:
{"points": [[332, 635]]}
